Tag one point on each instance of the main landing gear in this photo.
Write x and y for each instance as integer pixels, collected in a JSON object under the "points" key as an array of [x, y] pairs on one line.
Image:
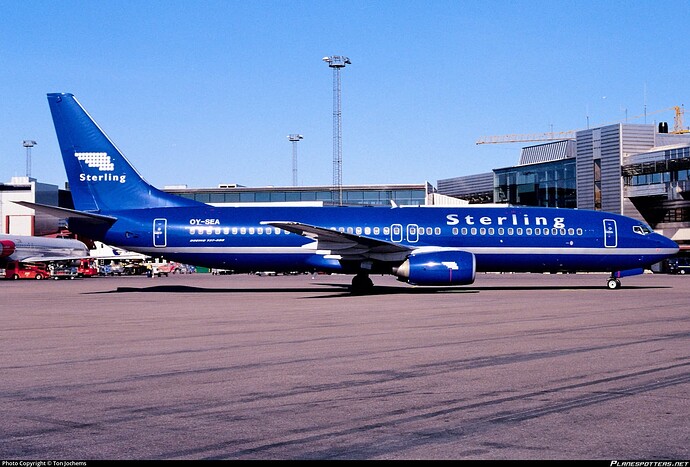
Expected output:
{"points": [[361, 284], [613, 283]]}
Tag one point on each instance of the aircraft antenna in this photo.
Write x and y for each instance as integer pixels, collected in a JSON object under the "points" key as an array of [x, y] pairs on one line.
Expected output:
{"points": [[294, 139], [337, 62], [28, 144]]}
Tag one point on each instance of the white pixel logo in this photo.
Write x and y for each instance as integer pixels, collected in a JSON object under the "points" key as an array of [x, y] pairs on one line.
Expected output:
{"points": [[99, 160]]}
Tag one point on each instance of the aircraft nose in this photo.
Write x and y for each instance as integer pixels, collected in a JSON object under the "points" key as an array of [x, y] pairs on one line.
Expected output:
{"points": [[667, 244]]}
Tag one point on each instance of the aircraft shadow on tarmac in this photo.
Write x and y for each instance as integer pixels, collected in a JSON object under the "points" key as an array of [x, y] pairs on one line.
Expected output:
{"points": [[338, 290]]}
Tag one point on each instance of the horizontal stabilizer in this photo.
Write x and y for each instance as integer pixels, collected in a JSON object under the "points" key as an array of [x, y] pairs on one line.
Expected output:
{"points": [[45, 259], [64, 213]]}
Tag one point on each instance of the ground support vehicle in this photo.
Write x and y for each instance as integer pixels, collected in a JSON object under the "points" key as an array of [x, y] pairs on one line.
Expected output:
{"points": [[17, 270], [59, 271], [87, 268]]}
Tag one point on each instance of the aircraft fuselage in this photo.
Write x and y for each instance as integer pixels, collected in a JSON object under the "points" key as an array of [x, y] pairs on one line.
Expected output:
{"points": [[501, 238]]}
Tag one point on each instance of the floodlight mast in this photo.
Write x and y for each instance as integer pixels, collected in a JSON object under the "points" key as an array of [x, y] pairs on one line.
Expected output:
{"points": [[337, 62], [28, 144], [294, 139]]}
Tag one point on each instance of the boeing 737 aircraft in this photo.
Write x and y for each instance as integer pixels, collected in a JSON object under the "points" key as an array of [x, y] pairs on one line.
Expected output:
{"points": [[27, 249], [420, 245]]}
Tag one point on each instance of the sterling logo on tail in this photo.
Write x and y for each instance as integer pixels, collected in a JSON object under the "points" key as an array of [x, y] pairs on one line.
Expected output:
{"points": [[102, 162]]}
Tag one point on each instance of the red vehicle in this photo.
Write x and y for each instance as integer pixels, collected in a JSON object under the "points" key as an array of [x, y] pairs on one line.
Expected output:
{"points": [[86, 268], [16, 270]]}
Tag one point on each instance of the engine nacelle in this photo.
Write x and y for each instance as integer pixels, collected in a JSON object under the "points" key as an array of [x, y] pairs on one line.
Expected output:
{"points": [[438, 268], [7, 248]]}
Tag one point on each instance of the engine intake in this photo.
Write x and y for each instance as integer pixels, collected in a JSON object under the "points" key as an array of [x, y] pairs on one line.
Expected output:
{"points": [[7, 249], [438, 268]]}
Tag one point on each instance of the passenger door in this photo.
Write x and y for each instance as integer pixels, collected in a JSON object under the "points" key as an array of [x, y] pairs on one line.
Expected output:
{"points": [[610, 233], [160, 232]]}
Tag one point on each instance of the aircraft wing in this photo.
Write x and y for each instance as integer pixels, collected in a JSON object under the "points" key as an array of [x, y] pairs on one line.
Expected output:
{"points": [[65, 213], [43, 259], [349, 246]]}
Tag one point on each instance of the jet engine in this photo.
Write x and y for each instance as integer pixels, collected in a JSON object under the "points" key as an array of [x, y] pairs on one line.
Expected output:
{"points": [[444, 267], [7, 248]]}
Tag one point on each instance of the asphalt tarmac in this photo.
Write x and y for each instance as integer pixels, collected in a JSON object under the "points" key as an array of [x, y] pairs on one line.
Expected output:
{"points": [[515, 366]]}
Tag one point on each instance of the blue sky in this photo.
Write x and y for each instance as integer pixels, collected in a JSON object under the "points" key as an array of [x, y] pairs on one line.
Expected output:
{"points": [[205, 92]]}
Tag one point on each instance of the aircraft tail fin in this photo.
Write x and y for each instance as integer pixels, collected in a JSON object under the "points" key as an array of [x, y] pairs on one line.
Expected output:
{"points": [[101, 179]]}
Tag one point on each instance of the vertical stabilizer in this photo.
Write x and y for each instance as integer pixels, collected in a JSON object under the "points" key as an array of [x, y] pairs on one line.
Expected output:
{"points": [[101, 179]]}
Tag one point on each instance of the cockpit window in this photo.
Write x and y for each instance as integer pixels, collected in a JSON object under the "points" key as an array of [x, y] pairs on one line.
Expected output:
{"points": [[642, 229]]}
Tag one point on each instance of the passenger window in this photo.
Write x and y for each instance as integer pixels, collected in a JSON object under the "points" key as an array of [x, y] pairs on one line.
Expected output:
{"points": [[243, 230], [554, 231], [260, 230], [437, 231], [473, 231], [510, 231], [367, 230], [491, 230], [537, 231], [358, 231], [501, 231], [571, 231], [464, 231], [519, 231], [579, 231], [482, 231], [429, 231], [528, 231], [455, 230], [376, 230]]}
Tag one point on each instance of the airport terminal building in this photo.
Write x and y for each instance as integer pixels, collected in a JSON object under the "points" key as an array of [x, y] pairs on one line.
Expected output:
{"points": [[638, 170]]}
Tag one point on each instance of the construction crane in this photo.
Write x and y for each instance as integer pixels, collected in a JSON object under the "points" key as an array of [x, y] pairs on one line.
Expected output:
{"points": [[517, 138], [570, 134], [678, 120]]}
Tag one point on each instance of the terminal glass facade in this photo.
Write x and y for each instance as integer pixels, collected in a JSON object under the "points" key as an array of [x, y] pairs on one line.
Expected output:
{"points": [[550, 184], [361, 196], [659, 187]]}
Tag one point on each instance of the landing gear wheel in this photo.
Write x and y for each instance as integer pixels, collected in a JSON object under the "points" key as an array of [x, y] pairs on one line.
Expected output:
{"points": [[613, 283], [361, 284]]}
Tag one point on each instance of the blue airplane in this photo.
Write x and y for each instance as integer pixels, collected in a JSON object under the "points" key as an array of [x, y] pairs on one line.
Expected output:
{"points": [[427, 246]]}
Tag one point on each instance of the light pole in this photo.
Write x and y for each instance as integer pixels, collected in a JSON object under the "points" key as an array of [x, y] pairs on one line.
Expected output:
{"points": [[294, 139], [28, 144], [337, 62]]}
